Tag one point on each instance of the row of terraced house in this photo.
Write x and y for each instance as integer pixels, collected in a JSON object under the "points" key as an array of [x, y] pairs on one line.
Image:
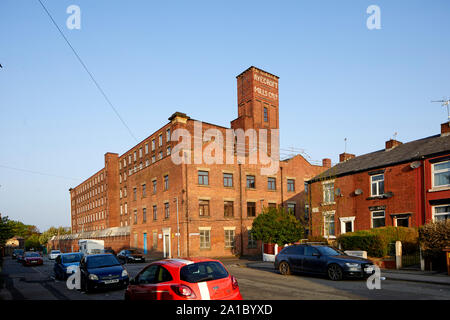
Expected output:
{"points": [[146, 199]]}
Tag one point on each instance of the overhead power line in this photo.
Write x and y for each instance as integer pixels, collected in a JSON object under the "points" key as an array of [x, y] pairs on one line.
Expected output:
{"points": [[37, 172], [88, 72]]}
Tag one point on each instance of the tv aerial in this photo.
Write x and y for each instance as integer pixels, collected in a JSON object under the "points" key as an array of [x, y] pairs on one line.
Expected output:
{"points": [[445, 102]]}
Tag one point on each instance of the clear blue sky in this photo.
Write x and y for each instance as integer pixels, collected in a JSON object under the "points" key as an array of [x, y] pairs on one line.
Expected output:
{"points": [[337, 79]]}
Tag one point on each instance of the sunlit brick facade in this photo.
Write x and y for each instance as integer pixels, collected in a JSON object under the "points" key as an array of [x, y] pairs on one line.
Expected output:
{"points": [[195, 208]]}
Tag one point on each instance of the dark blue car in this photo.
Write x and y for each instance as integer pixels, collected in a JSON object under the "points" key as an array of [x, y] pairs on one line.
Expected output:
{"points": [[322, 259], [102, 271], [65, 263]]}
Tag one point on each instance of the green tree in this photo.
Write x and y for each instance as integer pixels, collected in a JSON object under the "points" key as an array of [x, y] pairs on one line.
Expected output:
{"points": [[32, 242], [275, 225], [22, 230], [6, 231], [52, 231]]}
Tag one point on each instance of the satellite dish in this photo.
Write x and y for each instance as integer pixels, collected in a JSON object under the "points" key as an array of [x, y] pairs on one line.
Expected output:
{"points": [[389, 194], [337, 192], [415, 164], [358, 192]]}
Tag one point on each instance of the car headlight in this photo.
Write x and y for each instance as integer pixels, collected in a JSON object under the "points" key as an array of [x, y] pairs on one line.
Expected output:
{"points": [[353, 265], [124, 273], [93, 277]]}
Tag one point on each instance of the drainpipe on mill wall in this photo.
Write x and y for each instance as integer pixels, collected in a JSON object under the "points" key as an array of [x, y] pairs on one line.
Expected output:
{"points": [[282, 198], [240, 208], [187, 205]]}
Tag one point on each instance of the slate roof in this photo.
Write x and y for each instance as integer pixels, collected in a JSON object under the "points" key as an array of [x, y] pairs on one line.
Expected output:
{"points": [[410, 151]]}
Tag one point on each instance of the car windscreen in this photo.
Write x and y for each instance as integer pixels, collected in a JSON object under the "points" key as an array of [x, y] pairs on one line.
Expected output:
{"points": [[203, 271], [102, 261], [71, 258], [32, 254], [328, 251]]}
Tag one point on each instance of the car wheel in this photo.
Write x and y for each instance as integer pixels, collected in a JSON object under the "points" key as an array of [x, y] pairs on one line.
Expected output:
{"points": [[335, 272], [284, 268]]}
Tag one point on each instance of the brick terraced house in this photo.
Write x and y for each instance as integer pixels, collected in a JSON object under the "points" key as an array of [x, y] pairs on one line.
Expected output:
{"points": [[402, 185], [147, 200]]}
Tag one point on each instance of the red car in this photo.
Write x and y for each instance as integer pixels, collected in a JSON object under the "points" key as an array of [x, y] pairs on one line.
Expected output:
{"points": [[32, 259], [184, 279]]}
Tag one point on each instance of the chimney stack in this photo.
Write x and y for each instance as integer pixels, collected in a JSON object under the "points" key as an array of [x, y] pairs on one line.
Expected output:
{"points": [[391, 144], [445, 129], [326, 163], [345, 156]]}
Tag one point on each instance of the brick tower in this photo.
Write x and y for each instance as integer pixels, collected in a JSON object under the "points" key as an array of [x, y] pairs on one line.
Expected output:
{"points": [[257, 92]]}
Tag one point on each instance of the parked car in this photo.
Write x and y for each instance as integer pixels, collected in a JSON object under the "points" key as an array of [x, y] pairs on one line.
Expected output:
{"points": [[20, 255], [31, 258], [102, 271], [64, 264], [109, 250], [130, 255], [322, 259], [53, 254], [16, 252], [184, 279]]}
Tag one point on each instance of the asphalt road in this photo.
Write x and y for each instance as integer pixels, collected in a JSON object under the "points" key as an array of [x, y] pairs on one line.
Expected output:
{"points": [[38, 283]]}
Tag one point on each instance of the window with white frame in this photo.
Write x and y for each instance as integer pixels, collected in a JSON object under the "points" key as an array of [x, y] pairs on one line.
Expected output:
{"points": [[229, 238], [441, 213], [205, 239], [328, 192], [377, 185], [168, 135], [329, 225], [441, 174], [378, 219], [146, 148]]}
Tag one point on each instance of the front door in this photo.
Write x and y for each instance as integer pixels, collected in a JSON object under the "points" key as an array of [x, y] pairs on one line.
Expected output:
{"points": [[145, 243], [166, 244]]}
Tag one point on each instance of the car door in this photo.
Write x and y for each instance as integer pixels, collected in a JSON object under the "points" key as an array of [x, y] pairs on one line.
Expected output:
{"points": [[57, 267], [296, 258], [152, 284], [83, 271], [313, 261]]}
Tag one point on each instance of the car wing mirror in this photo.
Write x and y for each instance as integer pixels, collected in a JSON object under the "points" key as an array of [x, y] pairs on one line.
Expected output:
{"points": [[316, 254], [133, 281]]}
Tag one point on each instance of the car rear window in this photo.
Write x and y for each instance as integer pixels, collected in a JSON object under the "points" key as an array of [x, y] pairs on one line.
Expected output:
{"points": [[203, 271], [32, 254], [70, 258], [102, 261]]}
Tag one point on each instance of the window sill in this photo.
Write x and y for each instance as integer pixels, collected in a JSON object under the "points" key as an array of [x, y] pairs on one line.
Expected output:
{"points": [[327, 203], [203, 185], [247, 188], [436, 189], [376, 197]]}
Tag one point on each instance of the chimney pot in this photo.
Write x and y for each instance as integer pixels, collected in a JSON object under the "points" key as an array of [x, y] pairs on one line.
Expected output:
{"points": [[345, 156], [326, 163], [445, 128], [390, 144]]}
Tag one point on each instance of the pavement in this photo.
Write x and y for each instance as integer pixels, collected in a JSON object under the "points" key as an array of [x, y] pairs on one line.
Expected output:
{"points": [[432, 277]]}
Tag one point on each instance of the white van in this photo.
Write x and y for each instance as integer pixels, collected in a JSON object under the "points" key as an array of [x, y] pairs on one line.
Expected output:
{"points": [[89, 246]]}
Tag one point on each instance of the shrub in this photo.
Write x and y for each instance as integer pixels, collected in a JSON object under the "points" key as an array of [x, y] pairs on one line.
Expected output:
{"points": [[434, 237], [376, 241], [317, 239], [371, 243]]}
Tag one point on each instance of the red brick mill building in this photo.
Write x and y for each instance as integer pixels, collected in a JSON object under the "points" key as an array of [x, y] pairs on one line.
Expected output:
{"points": [[401, 185], [143, 199]]}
